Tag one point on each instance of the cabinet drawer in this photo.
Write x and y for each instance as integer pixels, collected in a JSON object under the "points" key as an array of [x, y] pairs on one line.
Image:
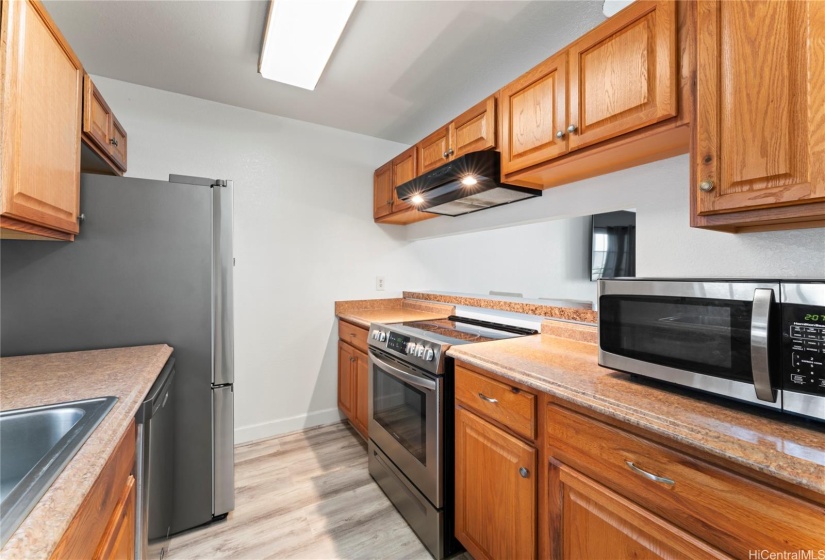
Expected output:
{"points": [[510, 406], [726, 510], [353, 335]]}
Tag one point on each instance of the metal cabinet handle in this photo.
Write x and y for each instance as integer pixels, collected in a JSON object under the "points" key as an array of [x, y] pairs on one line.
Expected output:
{"points": [[112, 141], [706, 186], [572, 128], [450, 152], [559, 134], [649, 476], [484, 397], [524, 472], [81, 218]]}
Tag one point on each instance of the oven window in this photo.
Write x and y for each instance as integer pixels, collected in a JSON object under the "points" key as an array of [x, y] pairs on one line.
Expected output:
{"points": [[402, 411], [701, 335]]}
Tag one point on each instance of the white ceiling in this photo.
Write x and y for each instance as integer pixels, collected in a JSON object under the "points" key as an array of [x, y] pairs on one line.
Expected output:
{"points": [[401, 68]]}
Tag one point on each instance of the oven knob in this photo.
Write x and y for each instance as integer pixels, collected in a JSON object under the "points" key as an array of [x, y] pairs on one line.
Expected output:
{"points": [[382, 336], [429, 355], [419, 351], [375, 334], [410, 348]]}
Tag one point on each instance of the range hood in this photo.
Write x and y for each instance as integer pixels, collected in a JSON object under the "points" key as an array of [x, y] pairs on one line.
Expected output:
{"points": [[467, 184]]}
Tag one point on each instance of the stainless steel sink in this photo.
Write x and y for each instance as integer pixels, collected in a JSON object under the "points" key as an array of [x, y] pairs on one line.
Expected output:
{"points": [[35, 445]]}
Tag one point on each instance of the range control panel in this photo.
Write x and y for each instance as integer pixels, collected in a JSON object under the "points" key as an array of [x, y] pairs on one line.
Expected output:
{"points": [[803, 344]]}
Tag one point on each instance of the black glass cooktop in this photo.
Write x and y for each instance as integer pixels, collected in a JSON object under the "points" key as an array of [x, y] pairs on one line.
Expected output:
{"points": [[462, 330]]}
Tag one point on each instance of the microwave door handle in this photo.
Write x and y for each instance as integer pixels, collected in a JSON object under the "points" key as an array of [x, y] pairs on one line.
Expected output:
{"points": [[760, 321], [405, 376]]}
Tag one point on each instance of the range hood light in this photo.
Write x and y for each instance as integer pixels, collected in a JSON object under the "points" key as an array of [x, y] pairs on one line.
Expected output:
{"points": [[468, 183]]}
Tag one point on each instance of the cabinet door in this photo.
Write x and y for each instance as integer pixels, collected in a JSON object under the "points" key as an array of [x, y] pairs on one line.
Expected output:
{"points": [[362, 379], [533, 116], [117, 144], [475, 129], [623, 74], [346, 379], [594, 522], [760, 123], [42, 90], [435, 150], [97, 117], [495, 500], [119, 538], [403, 170], [383, 191]]}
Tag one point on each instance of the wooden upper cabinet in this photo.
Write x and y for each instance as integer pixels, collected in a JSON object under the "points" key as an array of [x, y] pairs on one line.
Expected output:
{"points": [[382, 191], [97, 117], [117, 147], [435, 150], [760, 123], [495, 490], [101, 129], [403, 170], [533, 116], [475, 129], [623, 74], [42, 85]]}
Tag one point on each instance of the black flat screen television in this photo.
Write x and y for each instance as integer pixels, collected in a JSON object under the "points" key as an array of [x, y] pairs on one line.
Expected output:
{"points": [[613, 245]]}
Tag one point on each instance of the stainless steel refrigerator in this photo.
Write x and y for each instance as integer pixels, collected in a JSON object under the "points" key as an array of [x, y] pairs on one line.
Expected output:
{"points": [[152, 264]]}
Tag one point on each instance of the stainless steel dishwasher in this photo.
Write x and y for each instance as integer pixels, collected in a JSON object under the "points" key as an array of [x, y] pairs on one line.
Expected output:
{"points": [[155, 467]]}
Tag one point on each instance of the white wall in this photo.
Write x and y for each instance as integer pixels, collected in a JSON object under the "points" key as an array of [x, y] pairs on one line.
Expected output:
{"points": [[666, 244], [304, 237]]}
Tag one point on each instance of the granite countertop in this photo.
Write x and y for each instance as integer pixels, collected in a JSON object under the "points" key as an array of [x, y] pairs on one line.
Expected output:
{"points": [[125, 373], [568, 369], [364, 312]]}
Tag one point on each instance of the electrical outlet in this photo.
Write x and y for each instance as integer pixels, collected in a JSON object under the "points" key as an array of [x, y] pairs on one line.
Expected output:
{"points": [[379, 283]]}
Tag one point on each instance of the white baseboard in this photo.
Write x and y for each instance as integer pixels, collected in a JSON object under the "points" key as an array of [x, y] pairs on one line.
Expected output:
{"points": [[245, 434]]}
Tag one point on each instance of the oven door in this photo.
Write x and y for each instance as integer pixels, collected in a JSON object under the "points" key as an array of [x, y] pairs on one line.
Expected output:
{"points": [[406, 421], [719, 337]]}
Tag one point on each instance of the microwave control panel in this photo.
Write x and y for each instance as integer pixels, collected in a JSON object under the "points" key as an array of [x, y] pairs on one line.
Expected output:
{"points": [[803, 344]]}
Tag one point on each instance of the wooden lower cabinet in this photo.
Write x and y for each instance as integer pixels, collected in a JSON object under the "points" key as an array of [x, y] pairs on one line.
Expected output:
{"points": [[609, 483], [346, 379], [593, 522], [119, 538], [495, 490], [353, 377], [104, 526]]}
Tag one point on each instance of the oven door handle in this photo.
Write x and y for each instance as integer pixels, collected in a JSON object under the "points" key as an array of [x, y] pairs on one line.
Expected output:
{"points": [[760, 333], [408, 376]]}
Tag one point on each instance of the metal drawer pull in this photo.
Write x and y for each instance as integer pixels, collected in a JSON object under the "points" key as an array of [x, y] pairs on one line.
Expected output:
{"points": [[484, 397], [648, 475], [524, 472]]}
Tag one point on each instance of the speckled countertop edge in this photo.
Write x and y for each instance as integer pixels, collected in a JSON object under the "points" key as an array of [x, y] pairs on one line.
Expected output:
{"points": [[389, 311], [126, 373], [804, 473]]}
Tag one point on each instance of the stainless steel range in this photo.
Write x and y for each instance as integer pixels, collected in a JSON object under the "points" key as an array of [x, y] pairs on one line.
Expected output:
{"points": [[411, 418]]}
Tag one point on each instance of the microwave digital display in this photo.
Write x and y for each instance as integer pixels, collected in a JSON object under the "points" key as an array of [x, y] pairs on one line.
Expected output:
{"points": [[397, 342]]}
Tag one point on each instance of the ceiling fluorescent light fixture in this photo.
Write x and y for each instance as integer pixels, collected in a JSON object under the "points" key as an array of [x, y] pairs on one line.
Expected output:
{"points": [[300, 37]]}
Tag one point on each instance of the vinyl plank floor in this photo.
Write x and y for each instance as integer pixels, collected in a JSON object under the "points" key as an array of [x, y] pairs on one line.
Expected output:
{"points": [[305, 496]]}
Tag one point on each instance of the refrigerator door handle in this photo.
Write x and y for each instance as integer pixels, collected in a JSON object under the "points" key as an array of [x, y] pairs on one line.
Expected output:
{"points": [[223, 447], [223, 352]]}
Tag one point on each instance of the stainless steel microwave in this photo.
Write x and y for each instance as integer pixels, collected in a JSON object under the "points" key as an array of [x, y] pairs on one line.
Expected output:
{"points": [[757, 341]]}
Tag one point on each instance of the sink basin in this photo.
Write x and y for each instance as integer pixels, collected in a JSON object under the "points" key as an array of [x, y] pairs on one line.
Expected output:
{"points": [[35, 445]]}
